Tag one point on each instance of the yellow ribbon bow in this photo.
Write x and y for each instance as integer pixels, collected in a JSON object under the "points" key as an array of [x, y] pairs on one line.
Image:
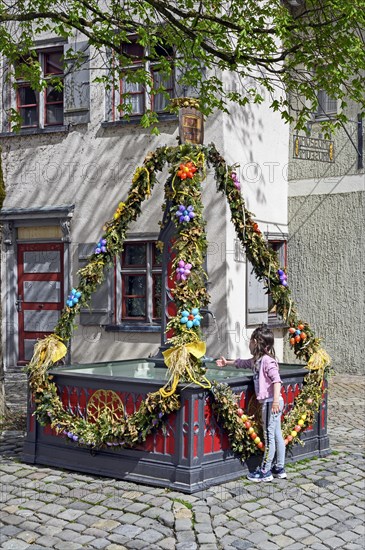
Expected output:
{"points": [[178, 362]]}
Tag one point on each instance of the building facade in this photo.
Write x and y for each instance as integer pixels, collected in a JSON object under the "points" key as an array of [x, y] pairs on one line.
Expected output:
{"points": [[326, 213], [65, 172]]}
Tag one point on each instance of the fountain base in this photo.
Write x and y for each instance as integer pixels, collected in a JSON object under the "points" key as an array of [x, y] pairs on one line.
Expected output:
{"points": [[191, 454]]}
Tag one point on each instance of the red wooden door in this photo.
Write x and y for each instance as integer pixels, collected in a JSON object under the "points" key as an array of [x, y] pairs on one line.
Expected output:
{"points": [[40, 293]]}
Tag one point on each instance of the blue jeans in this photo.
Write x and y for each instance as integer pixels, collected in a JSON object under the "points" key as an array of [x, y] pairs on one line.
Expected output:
{"points": [[274, 442]]}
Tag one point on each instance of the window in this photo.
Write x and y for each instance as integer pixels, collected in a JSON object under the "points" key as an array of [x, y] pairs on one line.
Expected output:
{"points": [[132, 97], [280, 248], [53, 94], [141, 270], [27, 106], [134, 103], [163, 84], [45, 108], [327, 105], [63, 102], [260, 307]]}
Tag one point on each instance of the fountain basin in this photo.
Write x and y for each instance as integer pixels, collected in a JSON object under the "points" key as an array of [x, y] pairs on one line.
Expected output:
{"points": [[191, 454]]}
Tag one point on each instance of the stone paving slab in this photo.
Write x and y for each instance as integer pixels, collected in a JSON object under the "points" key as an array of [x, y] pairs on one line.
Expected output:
{"points": [[319, 507]]}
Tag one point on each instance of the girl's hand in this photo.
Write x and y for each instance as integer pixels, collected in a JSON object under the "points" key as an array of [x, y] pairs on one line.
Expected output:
{"points": [[275, 407], [222, 362]]}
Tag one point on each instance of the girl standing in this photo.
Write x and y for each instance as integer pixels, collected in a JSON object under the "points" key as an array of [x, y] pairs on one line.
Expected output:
{"points": [[267, 384]]}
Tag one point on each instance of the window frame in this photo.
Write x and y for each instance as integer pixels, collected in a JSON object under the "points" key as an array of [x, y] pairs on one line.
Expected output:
{"points": [[48, 76], [324, 111], [148, 98], [150, 270], [41, 105], [257, 297], [283, 262], [141, 93], [21, 85], [153, 70]]}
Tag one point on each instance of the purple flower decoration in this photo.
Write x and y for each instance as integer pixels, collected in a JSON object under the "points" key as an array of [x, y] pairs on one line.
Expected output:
{"points": [[101, 247], [235, 180], [283, 277], [183, 271], [185, 214]]}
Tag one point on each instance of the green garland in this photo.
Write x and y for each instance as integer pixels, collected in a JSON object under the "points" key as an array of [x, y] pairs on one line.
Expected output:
{"points": [[2, 184], [184, 359]]}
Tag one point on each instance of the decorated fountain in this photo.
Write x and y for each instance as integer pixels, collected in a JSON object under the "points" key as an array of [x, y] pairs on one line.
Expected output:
{"points": [[175, 420]]}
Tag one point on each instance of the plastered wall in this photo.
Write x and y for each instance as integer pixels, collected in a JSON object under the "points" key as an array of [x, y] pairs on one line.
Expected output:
{"points": [[326, 269]]}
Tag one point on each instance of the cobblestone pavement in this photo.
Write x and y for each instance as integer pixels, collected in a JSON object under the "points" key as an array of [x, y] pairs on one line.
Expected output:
{"points": [[320, 506]]}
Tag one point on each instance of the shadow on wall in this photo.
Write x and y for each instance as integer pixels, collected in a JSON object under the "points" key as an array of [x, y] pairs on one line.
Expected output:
{"points": [[93, 171], [247, 125]]}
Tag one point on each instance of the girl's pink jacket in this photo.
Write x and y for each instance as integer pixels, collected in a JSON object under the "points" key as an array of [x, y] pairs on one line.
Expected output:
{"points": [[268, 374]]}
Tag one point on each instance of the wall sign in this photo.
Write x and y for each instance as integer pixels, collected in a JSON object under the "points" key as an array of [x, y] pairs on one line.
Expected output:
{"points": [[191, 125], [307, 148]]}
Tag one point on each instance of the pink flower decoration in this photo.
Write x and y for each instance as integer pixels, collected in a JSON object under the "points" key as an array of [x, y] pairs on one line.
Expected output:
{"points": [[183, 270], [235, 180]]}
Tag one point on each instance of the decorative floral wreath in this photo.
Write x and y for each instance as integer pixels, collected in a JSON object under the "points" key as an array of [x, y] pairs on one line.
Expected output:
{"points": [[188, 165]]}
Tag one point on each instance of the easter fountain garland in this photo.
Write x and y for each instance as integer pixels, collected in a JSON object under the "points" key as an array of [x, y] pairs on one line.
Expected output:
{"points": [[183, 194]]}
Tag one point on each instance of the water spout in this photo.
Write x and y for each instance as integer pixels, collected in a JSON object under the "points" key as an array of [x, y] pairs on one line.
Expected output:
{"points": [[208, 312]]}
